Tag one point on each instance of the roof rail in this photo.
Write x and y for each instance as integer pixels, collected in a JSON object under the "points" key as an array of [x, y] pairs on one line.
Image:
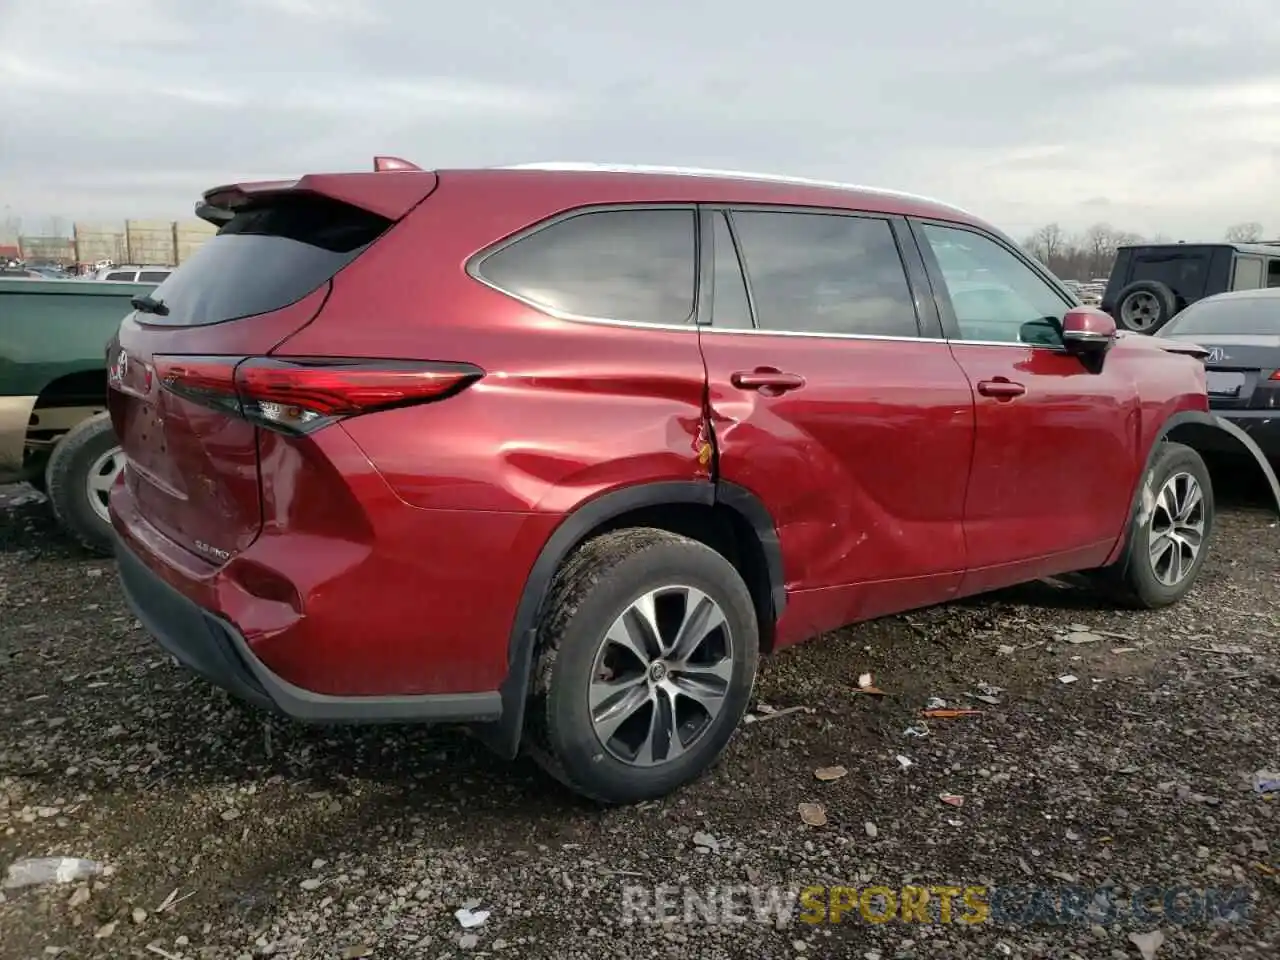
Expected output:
{"points": [[589, 167]]}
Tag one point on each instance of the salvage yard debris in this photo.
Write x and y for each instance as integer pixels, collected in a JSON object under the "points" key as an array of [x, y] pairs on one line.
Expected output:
{"points": [[766, 712], [867, 685], [1267, 782], [813, 814], [470, 916], [42, 870]]}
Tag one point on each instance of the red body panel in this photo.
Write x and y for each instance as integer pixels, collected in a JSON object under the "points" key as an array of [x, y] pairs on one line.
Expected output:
{"points": [[864, 468], [1049, 464], [387, 553]]}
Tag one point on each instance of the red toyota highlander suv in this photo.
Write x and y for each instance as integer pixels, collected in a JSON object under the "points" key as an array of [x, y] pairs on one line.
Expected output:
{"points": [[556, 451]]}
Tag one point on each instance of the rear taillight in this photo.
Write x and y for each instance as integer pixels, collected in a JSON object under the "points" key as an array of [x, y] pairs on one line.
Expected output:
{"points": [[1275, 375], [300, 395]]}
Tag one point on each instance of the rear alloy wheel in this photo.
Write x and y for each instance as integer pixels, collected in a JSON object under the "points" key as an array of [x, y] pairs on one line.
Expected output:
{"points": [[1169, 533], [647, 656], [78, 480], [661, 675]]}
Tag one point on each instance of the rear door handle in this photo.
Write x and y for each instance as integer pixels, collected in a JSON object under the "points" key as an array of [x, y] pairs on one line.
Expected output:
{"points": [[1001, 388], [767, 380]]}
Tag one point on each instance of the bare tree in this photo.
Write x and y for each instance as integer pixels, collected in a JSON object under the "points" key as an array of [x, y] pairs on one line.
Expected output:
{"points": [[1085, 256], [1100, 242], [1047, 243], [1248, 232]]}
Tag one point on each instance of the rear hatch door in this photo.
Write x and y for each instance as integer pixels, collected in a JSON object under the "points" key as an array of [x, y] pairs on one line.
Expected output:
{"points": [[192, 459]]}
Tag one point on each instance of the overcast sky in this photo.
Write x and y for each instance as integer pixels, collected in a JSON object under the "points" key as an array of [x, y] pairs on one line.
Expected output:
{"points": [[1154, 115]]}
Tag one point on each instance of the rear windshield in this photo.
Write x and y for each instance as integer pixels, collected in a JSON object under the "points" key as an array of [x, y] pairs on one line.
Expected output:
{"points": [[1249, 316], [266, 258]]}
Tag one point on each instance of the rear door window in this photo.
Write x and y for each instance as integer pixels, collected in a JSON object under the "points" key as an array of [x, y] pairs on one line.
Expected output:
{"points": [[637, 266], [122, 276], [265, 258], [822, 273], [153, 276]]}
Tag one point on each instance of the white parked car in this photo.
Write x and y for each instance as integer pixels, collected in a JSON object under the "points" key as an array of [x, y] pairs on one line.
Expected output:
{"points": [[132, 273]]}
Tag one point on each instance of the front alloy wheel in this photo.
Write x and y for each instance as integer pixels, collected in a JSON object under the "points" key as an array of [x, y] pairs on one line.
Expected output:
{"points": [[1177, 528], [1169, 533]]}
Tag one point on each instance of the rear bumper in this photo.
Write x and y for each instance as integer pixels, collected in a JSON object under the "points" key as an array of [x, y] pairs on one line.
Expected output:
{"points": [[214, 649], [196, 638]]}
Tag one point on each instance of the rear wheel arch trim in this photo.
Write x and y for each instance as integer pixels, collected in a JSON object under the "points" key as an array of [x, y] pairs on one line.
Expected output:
{"points": [[504, 736]]}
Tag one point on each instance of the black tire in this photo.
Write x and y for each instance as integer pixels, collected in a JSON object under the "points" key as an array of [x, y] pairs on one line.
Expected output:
{"points": [[590, 592], [1133, 581], [1166, 305], [67, 482]]}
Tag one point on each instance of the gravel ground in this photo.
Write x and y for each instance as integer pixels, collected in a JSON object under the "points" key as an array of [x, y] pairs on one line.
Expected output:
{"points": [[269, 838]]}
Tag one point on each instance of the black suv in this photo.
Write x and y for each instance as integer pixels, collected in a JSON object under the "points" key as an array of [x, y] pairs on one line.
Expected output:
{"points": [[1150, 282]]}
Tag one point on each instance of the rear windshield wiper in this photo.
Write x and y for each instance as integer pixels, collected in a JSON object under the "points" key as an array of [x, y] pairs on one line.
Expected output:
{"points": [[150, 304]]}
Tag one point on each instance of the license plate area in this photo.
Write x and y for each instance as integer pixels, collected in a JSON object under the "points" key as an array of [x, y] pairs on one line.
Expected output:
{"points": [[1221, 384]]}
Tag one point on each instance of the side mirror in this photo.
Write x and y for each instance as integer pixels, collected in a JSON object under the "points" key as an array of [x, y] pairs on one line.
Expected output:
{"points": [[1088, 330], [1043, 332]]}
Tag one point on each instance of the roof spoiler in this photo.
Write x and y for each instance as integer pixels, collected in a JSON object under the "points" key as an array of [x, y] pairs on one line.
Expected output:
{"points": [[211, 214], [389, 197]]}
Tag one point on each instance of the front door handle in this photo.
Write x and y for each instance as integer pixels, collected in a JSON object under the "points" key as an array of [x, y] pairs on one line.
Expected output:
{"points": [[768, 380], [1001, 389]]}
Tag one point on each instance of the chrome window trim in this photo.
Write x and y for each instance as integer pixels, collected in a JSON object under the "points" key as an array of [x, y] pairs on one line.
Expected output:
{"points": [[691, 325], [707, 328]]}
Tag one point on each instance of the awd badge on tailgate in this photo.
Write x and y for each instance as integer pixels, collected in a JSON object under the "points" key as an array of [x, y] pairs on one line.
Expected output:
{"points": [[211, 551]]}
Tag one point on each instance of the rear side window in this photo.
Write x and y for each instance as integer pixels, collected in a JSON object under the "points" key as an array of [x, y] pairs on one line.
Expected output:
{"points": [[632, 265], [124, 276], [824, 273], [153, 276], [266, 258]]}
